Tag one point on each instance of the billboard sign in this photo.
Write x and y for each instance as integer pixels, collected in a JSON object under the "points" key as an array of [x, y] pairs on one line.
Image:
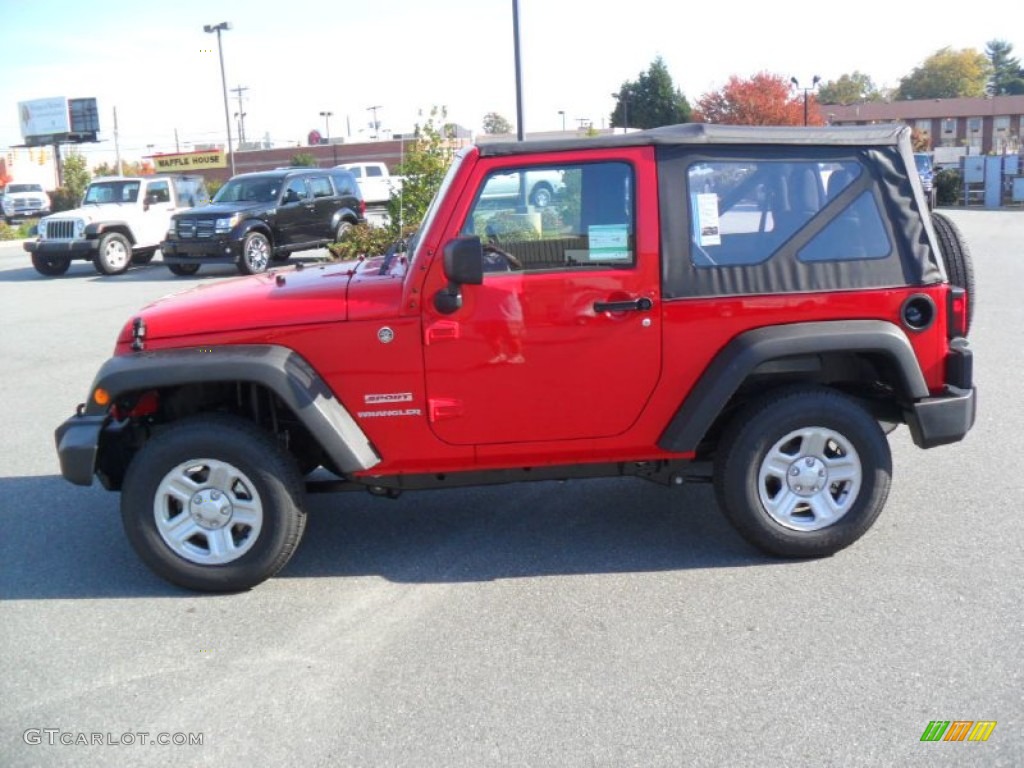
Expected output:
{"points": [[43, 117], [190, 161]]}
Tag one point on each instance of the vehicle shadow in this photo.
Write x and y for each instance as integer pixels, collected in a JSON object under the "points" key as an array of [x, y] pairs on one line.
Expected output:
{"points": [[73, 547]]}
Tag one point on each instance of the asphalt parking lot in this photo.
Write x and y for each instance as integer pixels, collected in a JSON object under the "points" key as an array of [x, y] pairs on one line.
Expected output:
{"points": [[601, 623]]}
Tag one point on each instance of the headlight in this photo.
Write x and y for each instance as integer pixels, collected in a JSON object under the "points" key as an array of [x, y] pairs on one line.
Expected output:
{"points": [[79, 227], [41, 231], [225, 225]]}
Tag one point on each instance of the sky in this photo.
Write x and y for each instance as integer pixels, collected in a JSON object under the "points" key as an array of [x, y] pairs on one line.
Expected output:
{"points": [[153, 62]]}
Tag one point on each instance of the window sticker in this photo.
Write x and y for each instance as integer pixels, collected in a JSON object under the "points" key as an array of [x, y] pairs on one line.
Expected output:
{"points": [[706, 215], [609, 242]]}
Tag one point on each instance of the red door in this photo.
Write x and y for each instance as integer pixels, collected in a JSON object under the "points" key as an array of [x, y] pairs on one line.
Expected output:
{"points": [[547, 352]]}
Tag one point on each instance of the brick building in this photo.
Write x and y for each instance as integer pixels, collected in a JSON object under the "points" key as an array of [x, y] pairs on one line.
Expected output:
{"points": [[991, 125]]}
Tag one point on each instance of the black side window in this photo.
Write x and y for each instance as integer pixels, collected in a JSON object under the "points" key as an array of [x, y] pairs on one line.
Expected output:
{"points": [[576, 216], [294, 191], [321, 186], [373, 170]]}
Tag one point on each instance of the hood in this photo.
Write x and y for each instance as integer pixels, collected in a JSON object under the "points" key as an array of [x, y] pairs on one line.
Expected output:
{"points": [[214, 210], [286, 297], [101, 212]]}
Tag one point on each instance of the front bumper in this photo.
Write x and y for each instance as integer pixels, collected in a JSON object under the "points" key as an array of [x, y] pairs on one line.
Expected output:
{"points": [[78, 441], [76, 249], [214, 250]]}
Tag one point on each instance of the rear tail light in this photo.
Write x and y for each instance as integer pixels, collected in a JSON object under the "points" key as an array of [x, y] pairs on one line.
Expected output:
{"points": [[362, 209], [957, 312]]}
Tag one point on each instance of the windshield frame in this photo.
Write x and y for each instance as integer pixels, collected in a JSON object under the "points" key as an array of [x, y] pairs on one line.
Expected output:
{"points": [[416, 241], [118, 186]]}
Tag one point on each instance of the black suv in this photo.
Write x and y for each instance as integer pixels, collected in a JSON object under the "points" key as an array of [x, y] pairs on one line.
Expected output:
{"points": [[261, 217]]}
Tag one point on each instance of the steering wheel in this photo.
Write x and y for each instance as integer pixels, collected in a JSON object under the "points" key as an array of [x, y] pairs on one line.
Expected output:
{"points": [[499, 260]]}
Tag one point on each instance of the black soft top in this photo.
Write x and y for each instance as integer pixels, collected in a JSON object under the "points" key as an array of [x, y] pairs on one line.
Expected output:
{"points": [[704, 134]]}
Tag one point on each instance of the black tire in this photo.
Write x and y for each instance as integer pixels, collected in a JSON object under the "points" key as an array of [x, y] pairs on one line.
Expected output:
{"points": [[230, 464], [114, 255], [143, 257], [183, 270], [51, 266], [956, 256], [747, 480], [256, 254], [343, 227], [542, 195]]}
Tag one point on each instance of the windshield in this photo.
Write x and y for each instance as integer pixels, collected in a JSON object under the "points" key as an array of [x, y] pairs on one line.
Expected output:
{"points": [[12, 188], [924, 164], [256, 190], [112, 192], [428, 219]]}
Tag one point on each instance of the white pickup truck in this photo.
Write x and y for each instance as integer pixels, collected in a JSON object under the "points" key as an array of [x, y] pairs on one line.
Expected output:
{"points": [[375, 181], [121, 222]]}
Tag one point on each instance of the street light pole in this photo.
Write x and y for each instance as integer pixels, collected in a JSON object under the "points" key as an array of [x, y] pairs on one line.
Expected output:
{"points": [[218, 28], [562, 113], [814, 84], [327, 124]]}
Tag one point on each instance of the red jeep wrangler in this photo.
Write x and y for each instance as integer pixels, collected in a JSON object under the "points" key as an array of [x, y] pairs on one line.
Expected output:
{"points": [[752, 306]]}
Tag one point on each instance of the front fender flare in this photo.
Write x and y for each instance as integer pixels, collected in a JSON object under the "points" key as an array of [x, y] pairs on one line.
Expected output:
{"points": [[740, 357], [279, 369]]}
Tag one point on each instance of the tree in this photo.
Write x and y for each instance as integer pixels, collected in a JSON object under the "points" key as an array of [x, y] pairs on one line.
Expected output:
{"points": [[76, 175], [650, 100], [303, 160], [424, 165], [1007, 75], [852, 88], [947, 74], [764, 99], [495, 123]]}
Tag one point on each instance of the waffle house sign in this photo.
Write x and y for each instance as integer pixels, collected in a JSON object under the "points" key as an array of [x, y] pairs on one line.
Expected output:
{"points": [[190, 161]]}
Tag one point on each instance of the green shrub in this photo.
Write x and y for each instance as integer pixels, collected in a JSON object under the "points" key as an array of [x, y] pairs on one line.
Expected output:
{"points": [[22, 231], [64, 199], [362, 240], [948, 184]]}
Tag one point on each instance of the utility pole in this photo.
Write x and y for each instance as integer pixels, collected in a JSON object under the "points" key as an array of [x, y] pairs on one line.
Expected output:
{"points": [[238, 91], [117, 146], [177, 144], [519, 71], [374, 109]]}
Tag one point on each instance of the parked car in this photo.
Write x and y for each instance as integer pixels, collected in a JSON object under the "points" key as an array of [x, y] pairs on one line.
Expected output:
{"points": [[744, 306], [120, 222], [374, 180], [259, 218], [23, 201], [542, 186]]}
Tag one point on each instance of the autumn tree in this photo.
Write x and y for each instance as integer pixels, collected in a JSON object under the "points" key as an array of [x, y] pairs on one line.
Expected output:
{"points": [[1007, 75], [650, 100], [852, 88], [495, 123], [947, 74], [763, 99]]}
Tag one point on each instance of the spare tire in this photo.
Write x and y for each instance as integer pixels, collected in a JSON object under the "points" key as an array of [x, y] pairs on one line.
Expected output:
{"points": [[956, 256]]}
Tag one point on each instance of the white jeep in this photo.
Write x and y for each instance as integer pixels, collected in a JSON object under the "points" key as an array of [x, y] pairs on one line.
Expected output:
{"points": [[121, 222]]}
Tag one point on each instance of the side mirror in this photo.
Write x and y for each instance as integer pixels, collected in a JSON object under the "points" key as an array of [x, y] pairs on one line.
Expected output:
{"points": [[463, 265]]}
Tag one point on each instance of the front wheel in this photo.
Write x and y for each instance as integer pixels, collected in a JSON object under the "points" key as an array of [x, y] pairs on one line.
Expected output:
{"points": [[213, 504], [803, 473], [51, 266], [542, 196], [255, 254], [114, 254]]}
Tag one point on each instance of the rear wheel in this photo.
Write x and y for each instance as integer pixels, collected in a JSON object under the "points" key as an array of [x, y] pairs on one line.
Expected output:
{"points": [[255, 254], [956, 257], [803, 473], [213, 504], [114, 254], [183, 270], [541, 196], [51, 266]]}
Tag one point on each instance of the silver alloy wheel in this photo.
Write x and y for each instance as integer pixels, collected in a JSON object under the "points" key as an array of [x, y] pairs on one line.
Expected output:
{"points": [[541, 197], [208, 512], [257, 254], [115, 255], [809, 479]]}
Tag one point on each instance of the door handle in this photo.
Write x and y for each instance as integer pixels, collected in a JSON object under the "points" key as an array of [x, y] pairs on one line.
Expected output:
{"points": [[635, 305]]}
